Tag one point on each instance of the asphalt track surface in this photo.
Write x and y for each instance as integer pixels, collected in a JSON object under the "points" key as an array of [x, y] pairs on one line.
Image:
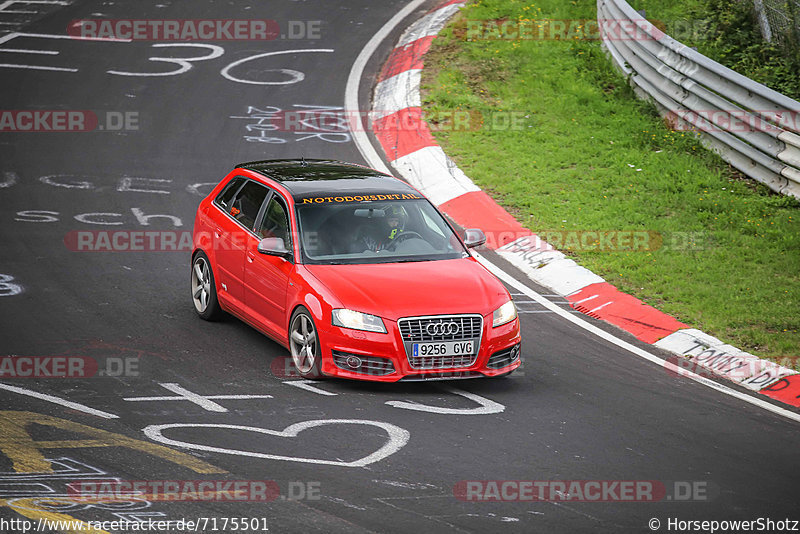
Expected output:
{"points": [[580, 408]]}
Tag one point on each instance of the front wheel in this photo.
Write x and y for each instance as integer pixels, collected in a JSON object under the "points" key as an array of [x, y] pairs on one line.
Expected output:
{"points": [[204, 291], [304, 344]]}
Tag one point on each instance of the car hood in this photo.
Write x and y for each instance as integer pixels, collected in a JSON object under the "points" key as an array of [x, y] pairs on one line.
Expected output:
{"points": [[395, 290]]}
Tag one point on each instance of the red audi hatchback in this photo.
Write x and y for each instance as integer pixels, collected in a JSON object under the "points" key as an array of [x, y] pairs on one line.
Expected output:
{"points": [[352, 270]]}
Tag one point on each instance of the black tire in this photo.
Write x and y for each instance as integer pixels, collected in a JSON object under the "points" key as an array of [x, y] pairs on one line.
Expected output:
{"points": [[204, 289], [304, 346]]}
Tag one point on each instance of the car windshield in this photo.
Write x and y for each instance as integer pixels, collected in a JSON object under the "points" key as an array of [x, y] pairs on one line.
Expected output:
{"points": [[375, 232]]}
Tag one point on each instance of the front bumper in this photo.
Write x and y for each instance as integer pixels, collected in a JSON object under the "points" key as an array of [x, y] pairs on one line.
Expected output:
{"points": [[382, 357]]}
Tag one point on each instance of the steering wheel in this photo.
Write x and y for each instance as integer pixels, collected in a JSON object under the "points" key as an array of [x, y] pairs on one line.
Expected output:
{"points": [[402, 236]]}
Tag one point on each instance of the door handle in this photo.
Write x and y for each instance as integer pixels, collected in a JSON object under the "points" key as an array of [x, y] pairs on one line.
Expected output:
{"points": [[217, 232], [250, 257]]}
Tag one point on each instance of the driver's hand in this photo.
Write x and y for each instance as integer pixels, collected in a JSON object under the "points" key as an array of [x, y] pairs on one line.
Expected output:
{"points": [[370, 243]]}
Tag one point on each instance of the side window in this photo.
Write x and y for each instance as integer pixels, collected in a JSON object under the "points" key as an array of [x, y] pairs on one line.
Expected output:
{"points": [[275, 222], [225, 196], [247, 202]]}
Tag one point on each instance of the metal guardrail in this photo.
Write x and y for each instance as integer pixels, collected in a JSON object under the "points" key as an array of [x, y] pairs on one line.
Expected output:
{"points": [[749, 125]]}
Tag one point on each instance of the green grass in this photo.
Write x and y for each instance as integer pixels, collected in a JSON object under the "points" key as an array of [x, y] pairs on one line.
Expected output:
{"points": [[573, 166]]}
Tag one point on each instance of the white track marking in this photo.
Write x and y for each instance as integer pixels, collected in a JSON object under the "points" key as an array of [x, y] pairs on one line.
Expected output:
{"points": [[511, 281], [59, 401], [298, 76], [434, 174], [429, 25], [399, 92], [35, 67], [543, 311], [601, 306], [354, 78], [307, 385], [398, 437], [63, 467], [486, 406], [10, 36], [7, 287], [204, 401], [24, 51], [561, 303], [184, 64], [586, 299], [8, 3], [48, 179]]}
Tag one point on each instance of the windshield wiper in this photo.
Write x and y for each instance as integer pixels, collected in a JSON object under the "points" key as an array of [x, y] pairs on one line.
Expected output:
{"points": [[408, 260]]}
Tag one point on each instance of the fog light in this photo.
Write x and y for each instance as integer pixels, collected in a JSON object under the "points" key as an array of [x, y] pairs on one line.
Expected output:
{"points": [[353, 362]]}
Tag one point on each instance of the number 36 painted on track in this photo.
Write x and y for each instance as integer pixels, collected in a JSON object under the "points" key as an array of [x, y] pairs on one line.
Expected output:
{"points": [[181, 64], [184, 64]]}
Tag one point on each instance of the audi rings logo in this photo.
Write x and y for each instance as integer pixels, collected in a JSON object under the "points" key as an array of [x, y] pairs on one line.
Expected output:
{"points": [[442, 329]]}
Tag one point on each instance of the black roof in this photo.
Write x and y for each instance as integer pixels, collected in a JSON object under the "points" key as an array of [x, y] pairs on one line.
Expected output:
{"points": [[305, 178]]}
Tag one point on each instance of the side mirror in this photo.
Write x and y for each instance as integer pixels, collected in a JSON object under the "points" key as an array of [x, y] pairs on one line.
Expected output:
{"points": [[474, 237], [274, 246]]}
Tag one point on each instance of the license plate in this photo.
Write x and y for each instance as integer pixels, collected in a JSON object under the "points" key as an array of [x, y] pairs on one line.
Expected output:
{"points": [[445, 348]]}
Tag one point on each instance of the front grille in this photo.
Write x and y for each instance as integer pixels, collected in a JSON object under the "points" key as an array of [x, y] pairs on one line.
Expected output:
{"points": [[370, 365], [441, 328], [415, 330], [501, 359], [454, 375], [441, 362]]}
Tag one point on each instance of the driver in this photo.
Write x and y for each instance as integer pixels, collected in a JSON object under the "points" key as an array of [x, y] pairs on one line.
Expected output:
{"points": [[381, 238], [396, 218]]}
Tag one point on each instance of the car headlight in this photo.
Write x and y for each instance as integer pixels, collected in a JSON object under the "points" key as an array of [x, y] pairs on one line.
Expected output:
{"points": [[504, 314], [358, 321]]}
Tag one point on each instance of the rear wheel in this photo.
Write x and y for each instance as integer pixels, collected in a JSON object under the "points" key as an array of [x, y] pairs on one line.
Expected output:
{"points": [[304, 345], [204, 292]]}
